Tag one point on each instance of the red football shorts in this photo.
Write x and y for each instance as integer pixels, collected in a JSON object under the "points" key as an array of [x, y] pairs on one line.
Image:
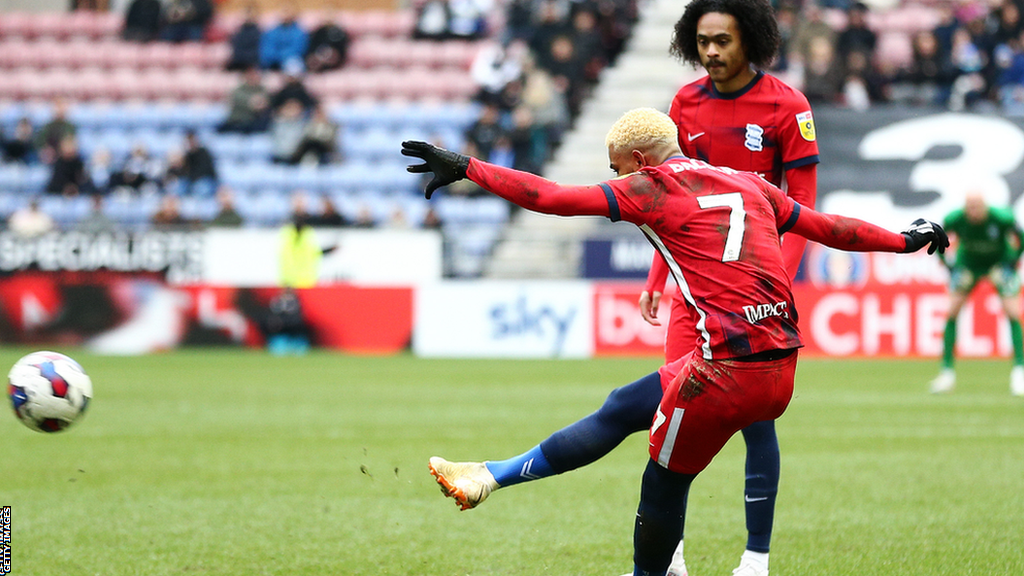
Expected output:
{"points": [[707, 401]]}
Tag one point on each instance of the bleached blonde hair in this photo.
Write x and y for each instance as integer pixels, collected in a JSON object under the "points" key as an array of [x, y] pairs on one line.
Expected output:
{"points": [[642, 129]]}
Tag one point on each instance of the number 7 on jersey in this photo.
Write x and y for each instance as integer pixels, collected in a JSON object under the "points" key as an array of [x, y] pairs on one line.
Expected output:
{"points": [[737, 217]]}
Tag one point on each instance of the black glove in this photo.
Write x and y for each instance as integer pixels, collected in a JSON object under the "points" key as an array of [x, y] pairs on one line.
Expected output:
{"points": [[924, 233], [446, 165]]}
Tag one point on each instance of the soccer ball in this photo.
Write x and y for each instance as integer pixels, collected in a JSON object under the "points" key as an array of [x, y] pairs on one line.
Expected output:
{"points": [[48, 391]]}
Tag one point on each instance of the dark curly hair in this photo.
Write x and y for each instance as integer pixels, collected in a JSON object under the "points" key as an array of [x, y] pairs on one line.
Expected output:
{"points": [[759, 31]]}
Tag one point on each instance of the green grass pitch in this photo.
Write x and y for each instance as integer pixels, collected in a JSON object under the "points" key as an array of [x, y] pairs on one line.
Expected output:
{"points": [[228, 462]]}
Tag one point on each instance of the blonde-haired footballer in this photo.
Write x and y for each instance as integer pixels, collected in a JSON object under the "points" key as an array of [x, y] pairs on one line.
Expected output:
{"points": [[719, 233]]}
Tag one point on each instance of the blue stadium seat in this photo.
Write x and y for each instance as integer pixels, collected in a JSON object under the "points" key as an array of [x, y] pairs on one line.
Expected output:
{"points": [[193, 208]]}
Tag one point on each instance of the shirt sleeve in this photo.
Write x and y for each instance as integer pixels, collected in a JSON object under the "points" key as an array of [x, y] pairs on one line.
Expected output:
{"points": [[843, 233], [798, 134], [657, 276], [539, 194]]}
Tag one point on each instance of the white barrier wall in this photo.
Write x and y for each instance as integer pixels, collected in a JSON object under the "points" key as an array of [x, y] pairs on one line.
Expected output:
{"points": [[506, 319]]}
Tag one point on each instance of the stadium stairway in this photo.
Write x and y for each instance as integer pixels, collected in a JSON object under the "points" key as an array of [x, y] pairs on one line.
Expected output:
{"points": [[542, 246]]}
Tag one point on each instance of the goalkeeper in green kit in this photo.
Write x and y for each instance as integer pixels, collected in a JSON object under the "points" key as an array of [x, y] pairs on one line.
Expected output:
{"points": [[988, 245]]}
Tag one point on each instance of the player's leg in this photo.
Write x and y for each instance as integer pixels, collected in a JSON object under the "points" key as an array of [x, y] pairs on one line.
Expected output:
{"points": [[701, 409], [961, 283], [659, 519], [627, 409], [760, 490], [1008, 285], [682, 338]]}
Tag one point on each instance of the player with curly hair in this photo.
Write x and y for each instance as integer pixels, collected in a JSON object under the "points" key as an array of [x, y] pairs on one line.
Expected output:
{"points": [[739, 116]]}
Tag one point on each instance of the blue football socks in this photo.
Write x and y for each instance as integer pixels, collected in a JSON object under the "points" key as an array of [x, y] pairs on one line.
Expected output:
{"points": [[531, 465]]}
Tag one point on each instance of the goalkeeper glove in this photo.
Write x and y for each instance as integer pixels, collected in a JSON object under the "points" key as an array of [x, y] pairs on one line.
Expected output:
{"points": [[924, 233], [446, 165]]}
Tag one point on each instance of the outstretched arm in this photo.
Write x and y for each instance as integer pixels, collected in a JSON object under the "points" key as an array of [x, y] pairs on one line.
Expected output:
{"points": [[527, 190], [855, 235], [536, 193]]}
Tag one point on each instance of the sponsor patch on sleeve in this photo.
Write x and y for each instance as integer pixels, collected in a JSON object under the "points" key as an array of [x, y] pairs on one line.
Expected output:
{"points": [[806, 123]]}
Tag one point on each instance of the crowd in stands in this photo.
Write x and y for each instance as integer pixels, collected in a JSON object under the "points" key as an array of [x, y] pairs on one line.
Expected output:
{"points": [[529, 65], [957, 55], [535, 63]]}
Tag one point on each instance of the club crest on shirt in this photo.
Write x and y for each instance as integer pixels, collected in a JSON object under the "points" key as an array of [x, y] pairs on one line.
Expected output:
{"points": [[754, 138], [806, 123]]}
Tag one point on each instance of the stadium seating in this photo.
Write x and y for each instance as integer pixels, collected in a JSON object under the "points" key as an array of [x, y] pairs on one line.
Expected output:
{"points": [[125, 94]]}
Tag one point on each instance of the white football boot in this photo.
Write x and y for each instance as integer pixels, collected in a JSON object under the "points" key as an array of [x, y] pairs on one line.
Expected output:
{"points": [[944, 382], [678, 565], [469, 483], [751, 565], [1017, 381]]}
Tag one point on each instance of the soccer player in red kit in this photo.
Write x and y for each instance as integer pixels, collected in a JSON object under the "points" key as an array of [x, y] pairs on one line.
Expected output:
{"points": [[719, 231], [740, 117]]}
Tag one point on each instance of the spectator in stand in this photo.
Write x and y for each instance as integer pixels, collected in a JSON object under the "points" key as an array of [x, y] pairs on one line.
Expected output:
{"points": [[329, 217], [518, 20], [616, 20], [96, 222], [494, 67], [928, 79], [319, 142], [69, 176], [468, 18], [199, 174], [186, 20], [248, 106], [862, 85], [30, 221], [565, 67], [822, 73], [502, 153], [140, 173], [328, 46], [551, 21], [586, 38], [21, 147], [969, 63], [227, 216], [286, 130], [293, 88], [811, 26], [486, 130], [1006, 22], [50, 136], [948, 23], [1010, 84], [856, 37], [786, 16], [168, 215], [547, 103], [285, 42], [432, 20], [245, 42], [364, 218], [142, 21], [529, 142], [432, 220], [100, 170]]}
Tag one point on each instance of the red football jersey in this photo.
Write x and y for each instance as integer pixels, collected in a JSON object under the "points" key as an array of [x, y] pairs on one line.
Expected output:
{"points": [[766, 127], [718, 229]]}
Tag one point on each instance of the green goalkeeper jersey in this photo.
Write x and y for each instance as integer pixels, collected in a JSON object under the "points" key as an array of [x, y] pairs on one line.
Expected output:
{"points": [[996, 240]]}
